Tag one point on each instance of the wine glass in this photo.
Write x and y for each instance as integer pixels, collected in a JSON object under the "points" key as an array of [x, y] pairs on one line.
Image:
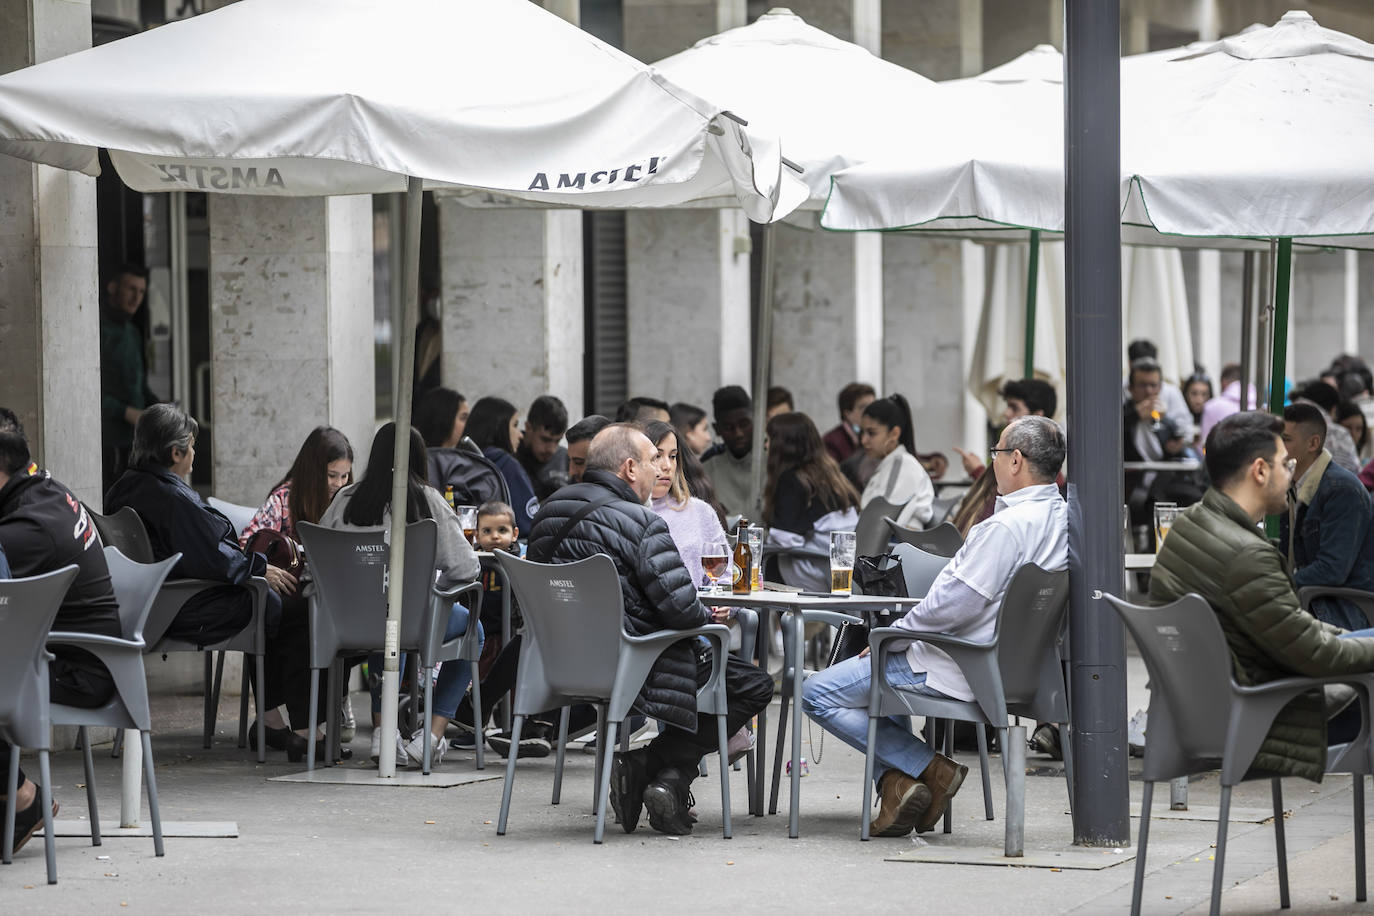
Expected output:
{"points": [[715, 561]]}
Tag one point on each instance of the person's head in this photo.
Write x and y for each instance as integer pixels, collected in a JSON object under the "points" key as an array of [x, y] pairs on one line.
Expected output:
{"points": [[779, 401], [127, 288], [1319, 393], [1304, 435], [1197, 391], [372, 496], [323, 466], [641, 409], [667, 462], [1145, 380], [693, 427], [14, 446], [1349, 415], [734, 419], [854, 397], [1029, 452], [441, 415], [579, 437], [544, 427], [165, 436], [1247, 460], [1028, 397], [494, 423], [496, 526], [795, 445], [622, 449], [1140, 348], [1229, 373], [886, 424]]}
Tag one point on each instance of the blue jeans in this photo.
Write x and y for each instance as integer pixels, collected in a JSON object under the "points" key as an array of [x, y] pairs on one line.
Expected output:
{"points": [[837, 698], [454, 676]]}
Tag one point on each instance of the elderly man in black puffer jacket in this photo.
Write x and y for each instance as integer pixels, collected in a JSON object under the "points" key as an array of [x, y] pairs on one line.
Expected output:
{"points": [[658, 594]]}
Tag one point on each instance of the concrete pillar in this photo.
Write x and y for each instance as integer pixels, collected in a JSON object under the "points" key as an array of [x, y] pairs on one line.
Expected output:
{"points": [[49, 288], [291, 332]]}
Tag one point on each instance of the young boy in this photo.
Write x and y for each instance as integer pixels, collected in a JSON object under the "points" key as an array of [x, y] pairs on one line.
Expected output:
{"points": [[496, 530]]}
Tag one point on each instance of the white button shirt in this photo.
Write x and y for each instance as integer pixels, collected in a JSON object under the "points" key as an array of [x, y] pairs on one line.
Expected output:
{"points": [[1030, 525]]}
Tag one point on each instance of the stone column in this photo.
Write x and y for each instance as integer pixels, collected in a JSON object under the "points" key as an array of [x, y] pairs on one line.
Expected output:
{"points": [[49, 288], [291, 333], [687, 271]]}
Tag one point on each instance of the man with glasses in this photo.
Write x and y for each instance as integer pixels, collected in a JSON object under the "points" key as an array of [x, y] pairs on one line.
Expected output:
{"points": [[1218, 550], [1029, 526]]}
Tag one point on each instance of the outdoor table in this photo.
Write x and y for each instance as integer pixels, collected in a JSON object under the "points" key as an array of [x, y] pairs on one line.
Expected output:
{"points": [[1140, 561], [1181, 467], [793, 603]]}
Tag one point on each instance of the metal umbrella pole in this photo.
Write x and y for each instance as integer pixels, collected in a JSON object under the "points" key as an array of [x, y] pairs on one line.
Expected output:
{"points": [[1278, 366], [1032, 282], [1247, 319], [403, 351], [763, 355]]}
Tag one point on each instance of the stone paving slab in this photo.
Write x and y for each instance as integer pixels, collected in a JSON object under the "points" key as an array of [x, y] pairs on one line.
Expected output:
{"points": [[1054, 859]]}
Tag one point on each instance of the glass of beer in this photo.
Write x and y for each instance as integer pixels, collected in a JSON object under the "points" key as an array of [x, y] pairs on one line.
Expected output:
{"points": [[467, 517], [756, 549], [1165, 513], [842, 545], [715, 562]]}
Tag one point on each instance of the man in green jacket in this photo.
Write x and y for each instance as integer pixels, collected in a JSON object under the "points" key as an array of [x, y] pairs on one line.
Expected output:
{"points": [[1217, 550], [124, 392]]}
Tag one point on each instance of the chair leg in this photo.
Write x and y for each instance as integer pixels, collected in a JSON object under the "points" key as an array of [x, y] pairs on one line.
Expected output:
{"points": [[1218, 868], [603, 786], [561, 755], [259, 693], [726, 827], [784, 700], [868, 777], [245, 688], [1357, 790], [1280, 847], [426, 736], [208, 726], [90, 784], [1138, 886], [479, 744], [118, 744], [153, 812], [219, 681], [1066, 745], [11, 798], [1014, 767], [949, 752], [314, 720], [602, 758], [333, 705], [515, 727], [49, 833], [749, 780], [984, 765]]}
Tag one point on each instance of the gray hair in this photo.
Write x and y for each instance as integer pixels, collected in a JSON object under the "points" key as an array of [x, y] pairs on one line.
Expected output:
{"points": [[614, 445], [1041, 442], [161, 428]]}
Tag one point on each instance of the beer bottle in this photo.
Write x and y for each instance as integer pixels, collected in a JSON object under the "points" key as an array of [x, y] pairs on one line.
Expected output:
{"points": [[743, 560], [448, 495]]}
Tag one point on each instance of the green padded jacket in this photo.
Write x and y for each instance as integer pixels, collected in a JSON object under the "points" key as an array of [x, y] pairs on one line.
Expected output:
{"points": [[1216, 551]]}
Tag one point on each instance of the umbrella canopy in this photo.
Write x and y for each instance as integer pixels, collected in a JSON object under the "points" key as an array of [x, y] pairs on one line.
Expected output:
{"points": [[831, 99], [314, 97]]}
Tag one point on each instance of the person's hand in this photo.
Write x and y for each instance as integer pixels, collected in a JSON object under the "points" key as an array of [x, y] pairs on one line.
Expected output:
{"points": [[1149, 410], [973, 465], [281, 581], [720, 614], [131, 415]]}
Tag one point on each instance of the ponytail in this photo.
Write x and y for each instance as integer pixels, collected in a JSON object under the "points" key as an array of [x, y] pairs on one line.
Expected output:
{"points": [[893, 410]]}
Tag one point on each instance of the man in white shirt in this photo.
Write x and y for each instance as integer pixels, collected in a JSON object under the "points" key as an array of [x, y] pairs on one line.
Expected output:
{"points": [[1030, 525]]}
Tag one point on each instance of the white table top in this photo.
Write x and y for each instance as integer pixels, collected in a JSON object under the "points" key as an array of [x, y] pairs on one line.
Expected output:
{"points": [[1140, 560], [798, 601], [1175, 466]]}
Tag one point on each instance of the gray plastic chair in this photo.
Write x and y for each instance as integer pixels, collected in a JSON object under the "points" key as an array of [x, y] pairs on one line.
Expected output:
{"points": [[870, 533], [1361, 599], [348, 615], [27, 610], [576, 609], [942, 506], [239, 516], [125, 530], [1028, 680], [944, 539], [135, 587], [1200, 718]]}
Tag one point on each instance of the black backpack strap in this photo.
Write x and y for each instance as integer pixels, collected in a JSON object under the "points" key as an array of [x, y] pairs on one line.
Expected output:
{"points": [[591, 506]]}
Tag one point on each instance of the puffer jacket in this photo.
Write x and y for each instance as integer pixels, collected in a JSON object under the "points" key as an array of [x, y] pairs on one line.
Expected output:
{"points": [[657, 589], [1216, 551]]}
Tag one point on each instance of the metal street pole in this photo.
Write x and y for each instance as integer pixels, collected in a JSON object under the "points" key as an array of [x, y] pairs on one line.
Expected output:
{"points": [[1092, 236], [763, 360], [1032, 281]]}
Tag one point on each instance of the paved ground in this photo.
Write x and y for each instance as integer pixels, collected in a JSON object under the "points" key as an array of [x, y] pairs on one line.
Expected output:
{"points": [[346, 849]]}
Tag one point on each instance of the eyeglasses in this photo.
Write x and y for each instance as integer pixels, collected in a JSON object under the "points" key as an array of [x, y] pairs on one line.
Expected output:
{"points": [[995, 451]]}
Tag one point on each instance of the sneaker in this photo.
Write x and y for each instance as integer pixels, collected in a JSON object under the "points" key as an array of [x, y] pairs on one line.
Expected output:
{"points": [[467, 741], [629, 777], [1135, 733], [415, 750], [534, 742], [1045, 740], [668, 801], [942, 777], [375, 747], [902, 800]]}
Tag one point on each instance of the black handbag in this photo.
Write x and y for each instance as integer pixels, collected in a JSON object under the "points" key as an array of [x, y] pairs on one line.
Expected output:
{"points": [[881, 576]]}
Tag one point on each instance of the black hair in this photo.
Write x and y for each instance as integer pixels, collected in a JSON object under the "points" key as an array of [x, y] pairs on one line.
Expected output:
{"points": [[778, 395], [372, 496], [586, 428], [548, 413], [1352, 384], [1236, 441], [1143, 364], [494, 507], [14, 446], [850, 394], [309, 473], [1344, 411], [130, 268], [1140, 348], [435, 413], [893, 410], [1036, 394], [685, 416], [731, 397], [489, 423], [635, 409], [1319, 393]]}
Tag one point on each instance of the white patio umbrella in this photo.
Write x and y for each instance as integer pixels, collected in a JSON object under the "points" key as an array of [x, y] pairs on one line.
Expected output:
{"points": [[312, 97]]}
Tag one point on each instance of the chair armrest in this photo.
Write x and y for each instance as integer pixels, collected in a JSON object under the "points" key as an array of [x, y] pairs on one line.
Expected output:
{"points": [[1258, 705], [453, 591], [977, 662], [1362, 599], [93, 641], [883, 635], [666, 637], [717, 633], [833, 618]]}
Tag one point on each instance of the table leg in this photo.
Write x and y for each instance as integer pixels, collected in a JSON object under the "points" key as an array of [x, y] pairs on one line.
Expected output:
{"points": [[761, 641], [799, 656]]}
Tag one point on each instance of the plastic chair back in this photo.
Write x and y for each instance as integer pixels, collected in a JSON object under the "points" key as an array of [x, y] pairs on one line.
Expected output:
{"points": [[135, 586], [574, 618], [349, 568], [27, 610], [919, 567], [944, 539], [125, 530], [239, 516], [1029, 623], [870, 534]]}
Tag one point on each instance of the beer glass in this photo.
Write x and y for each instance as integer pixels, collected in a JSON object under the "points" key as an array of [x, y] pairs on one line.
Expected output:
{"points": [[756, 549], [1165, 513], [842, 545], [715, 562], [467, 517]]}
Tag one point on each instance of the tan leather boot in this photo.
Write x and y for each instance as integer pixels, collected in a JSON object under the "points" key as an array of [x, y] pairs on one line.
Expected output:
{"points": [[901, 802], [943, 777]]}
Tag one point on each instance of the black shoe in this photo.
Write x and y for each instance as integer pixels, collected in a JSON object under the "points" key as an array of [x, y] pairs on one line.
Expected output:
{"points": [[1045, 740], [629, 777], [534, 742], [30, 820], [278, 739], [297, 745], [668, 800]]}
